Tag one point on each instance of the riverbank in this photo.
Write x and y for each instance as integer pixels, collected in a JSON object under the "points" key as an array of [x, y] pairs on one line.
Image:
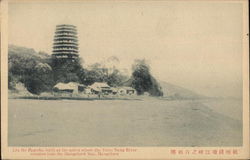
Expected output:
{"points": [[75, 98], [50, 96]]}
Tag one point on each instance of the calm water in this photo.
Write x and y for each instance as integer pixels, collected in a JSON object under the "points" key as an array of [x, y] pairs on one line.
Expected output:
{"points": [[151, 122]]}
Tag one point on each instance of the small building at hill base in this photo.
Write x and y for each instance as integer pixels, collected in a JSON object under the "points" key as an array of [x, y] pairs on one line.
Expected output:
{"points": [[100, 87], [71, 87], [126, 91], [95, 88]]}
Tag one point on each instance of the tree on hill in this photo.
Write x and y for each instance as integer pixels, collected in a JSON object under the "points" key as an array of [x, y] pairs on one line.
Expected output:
{"points": [[30, 68], [143, 81], [65, 70], [88, 77], [101, 73], [40, 80], [115, 78]]}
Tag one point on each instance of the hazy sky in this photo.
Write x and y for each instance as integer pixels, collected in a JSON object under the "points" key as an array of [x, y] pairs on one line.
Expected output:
{"points": [[197, 45]]}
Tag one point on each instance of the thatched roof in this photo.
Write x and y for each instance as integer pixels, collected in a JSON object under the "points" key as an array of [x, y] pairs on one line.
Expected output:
{"points": [[126, 88], [99, 85], [67, 86]]}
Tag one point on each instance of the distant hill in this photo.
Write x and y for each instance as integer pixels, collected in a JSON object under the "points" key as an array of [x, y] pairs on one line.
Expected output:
{"points": [[172, 91], [175, 91], [26, 52]]}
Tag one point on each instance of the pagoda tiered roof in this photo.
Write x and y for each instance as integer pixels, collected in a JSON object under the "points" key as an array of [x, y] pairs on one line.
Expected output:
{"points": [[65, 41]]}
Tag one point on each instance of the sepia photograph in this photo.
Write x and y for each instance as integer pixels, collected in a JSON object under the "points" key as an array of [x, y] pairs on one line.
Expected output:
{"points": [[125, 75]]}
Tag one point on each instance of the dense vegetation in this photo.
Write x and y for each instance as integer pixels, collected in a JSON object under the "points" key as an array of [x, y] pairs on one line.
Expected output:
{"points": [[39, 73], [30, 68], [143, 81]]}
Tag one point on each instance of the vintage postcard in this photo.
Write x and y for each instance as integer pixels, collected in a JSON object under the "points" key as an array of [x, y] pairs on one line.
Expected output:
{"points": [[124, 79]]}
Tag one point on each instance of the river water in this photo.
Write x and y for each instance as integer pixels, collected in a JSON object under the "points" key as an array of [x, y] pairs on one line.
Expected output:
{"points": [[148, 122]]}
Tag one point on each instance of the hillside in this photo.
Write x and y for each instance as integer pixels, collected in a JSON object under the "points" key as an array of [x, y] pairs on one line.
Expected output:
{"points": [[28, 67], [26, 58], [171, 90], [26, 52]]}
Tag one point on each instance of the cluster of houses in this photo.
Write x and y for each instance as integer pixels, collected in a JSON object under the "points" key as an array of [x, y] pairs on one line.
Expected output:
{"points": [[97, 88]]}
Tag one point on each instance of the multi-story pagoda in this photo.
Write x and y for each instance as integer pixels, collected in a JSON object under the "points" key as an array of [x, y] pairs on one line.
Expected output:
{"points": [[65, 44]]}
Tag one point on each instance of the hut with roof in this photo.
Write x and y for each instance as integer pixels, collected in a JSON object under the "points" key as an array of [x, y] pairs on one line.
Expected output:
{"points": [[126, 91], [101, 88], [71, 87]]}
